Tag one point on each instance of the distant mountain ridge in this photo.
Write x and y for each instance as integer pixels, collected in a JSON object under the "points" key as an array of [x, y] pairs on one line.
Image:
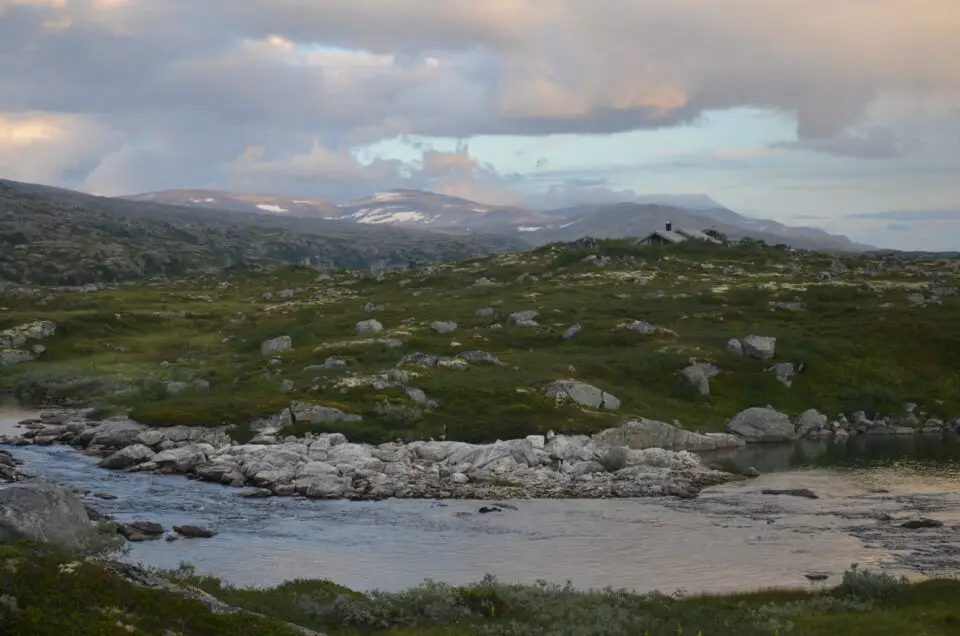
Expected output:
{"points": [[54, 236], [455, 215]]}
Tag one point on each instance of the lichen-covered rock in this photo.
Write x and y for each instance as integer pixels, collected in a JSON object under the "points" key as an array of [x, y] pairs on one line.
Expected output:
{"points": [[42, 511], [276, 345], [644, 433], [761, 347], [583, 394], [443, 327], [367, 327]]}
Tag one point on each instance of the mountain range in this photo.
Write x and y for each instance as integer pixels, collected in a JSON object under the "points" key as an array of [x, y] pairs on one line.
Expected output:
{"points": [[57, 236], [453, 215], [53, 236]]}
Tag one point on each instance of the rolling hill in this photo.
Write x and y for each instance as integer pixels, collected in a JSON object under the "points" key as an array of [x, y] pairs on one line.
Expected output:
{"points": [[62, 237]]}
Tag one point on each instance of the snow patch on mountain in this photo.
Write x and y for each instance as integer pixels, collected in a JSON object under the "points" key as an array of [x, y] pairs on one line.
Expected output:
{"points": [[269, 207]]}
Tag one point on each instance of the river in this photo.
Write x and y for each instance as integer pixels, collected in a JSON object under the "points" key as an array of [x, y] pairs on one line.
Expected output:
{"points": [[732, 537]]}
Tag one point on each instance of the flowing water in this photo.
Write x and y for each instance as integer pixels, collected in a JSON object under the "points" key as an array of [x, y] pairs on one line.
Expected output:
{"points": [[731, 537]]}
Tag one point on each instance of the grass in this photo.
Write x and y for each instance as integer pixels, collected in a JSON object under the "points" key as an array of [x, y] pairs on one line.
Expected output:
{"points": [[862, 344], [44, 592]]}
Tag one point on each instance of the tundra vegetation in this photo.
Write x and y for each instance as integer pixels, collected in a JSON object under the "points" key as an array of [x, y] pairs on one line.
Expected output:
{"points": [[44, 592], [496, 332]]}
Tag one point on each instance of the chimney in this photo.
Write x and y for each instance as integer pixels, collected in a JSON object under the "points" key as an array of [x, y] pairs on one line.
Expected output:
{"points": [[669, 226]]}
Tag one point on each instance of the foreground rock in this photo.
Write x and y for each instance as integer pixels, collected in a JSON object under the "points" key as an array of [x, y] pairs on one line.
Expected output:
{"points": [[43, 511], [633, 460]]}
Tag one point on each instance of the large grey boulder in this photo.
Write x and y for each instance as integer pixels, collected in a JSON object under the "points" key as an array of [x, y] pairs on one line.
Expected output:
{"points": [[276, 345], [644, 433], [42, 511], [758, 424], [111, 434], [184, 458], [583, 394], [762, 347], [127, 457]]}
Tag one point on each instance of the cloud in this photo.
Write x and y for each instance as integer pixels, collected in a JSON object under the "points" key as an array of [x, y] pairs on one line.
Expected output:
{"points": [[876, 143], [509, 66], [281, 93]]}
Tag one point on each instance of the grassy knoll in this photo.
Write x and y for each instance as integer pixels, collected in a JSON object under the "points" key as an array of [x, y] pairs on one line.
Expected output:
{"points": [[43, 592], [863, 343]]}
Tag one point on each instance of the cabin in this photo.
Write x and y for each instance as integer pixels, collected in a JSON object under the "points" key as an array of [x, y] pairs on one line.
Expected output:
{"points": [[669, 236]]}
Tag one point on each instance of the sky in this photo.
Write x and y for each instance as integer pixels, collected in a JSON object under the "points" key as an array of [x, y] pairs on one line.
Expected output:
{"points": [[840, 114]]}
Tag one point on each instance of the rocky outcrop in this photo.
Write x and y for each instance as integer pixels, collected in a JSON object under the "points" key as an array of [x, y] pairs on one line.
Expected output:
{"points": [[762, 425], [644, 433], [329, 466], [45, 512], [15, 347]]}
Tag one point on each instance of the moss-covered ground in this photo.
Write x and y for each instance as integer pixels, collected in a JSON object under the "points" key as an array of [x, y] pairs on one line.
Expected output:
{"points": [[45, 593], [863, 344]]}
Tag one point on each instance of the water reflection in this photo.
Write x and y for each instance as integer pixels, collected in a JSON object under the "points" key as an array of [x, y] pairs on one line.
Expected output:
{"points": [[932, 454]]}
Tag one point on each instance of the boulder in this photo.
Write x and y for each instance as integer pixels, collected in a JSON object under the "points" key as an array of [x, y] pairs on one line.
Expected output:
{"points": [[368, 327], [276, 345], [583, 394], [479, 356], [127, 457], [142, 531], [735, 347], [42, 511], [317, 414], [644, 433], [785, 371], [194, 532], [524, 318], [111, 434], [761, 347], [810, 423], [184, 458], [443, 327], [641, 327], [699, 376], [571, 331], [758, 424]]}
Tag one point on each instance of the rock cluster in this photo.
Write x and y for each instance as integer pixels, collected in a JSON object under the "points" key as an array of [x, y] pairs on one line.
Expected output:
{"points": [[765, 424], [14, 342], [328, 466]]}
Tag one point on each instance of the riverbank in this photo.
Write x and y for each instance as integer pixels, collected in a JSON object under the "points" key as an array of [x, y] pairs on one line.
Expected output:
{"points": [[328, 466], [44, 592]]}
